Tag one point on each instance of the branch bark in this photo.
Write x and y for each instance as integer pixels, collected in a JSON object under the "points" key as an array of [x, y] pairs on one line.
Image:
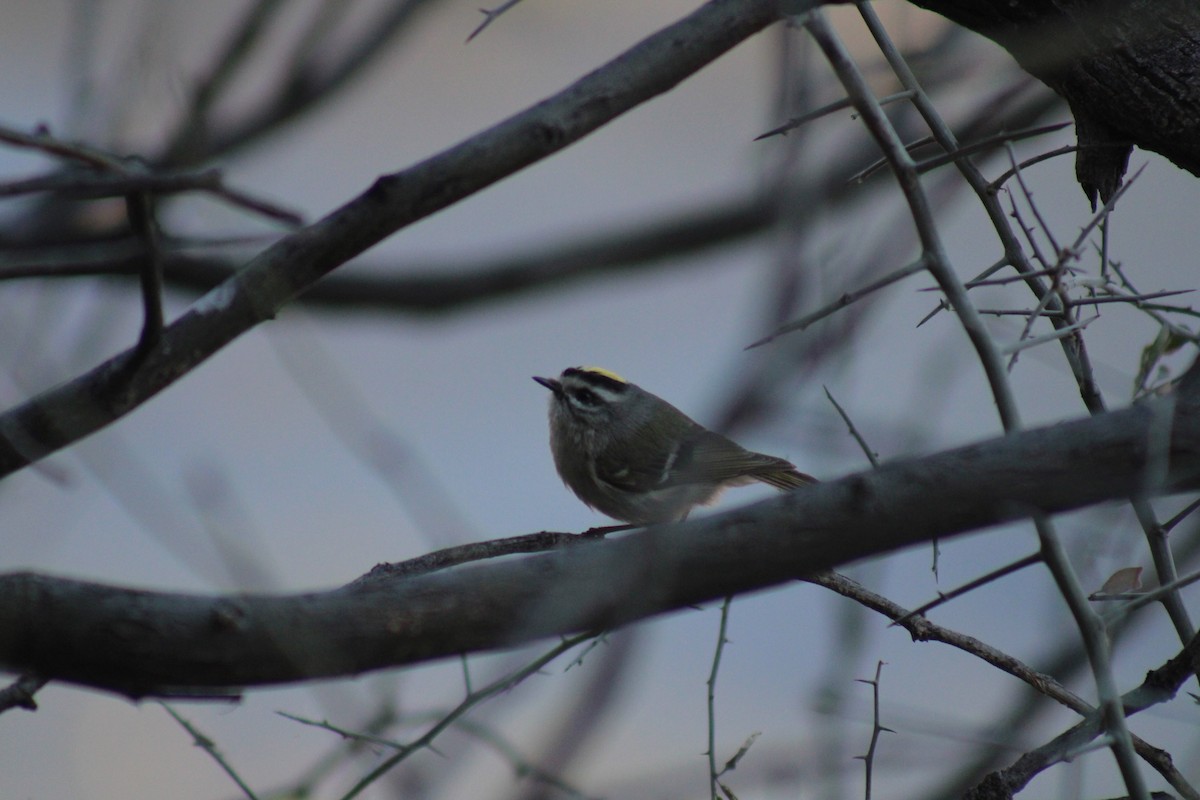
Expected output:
{"points": [[141, 643]]}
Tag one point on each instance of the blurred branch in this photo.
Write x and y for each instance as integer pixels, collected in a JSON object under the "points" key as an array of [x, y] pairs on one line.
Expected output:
{"points": [[456, 285], [278, 275], [104, 174], [239, 46], [460, 283], [1160, 686], [435, 288], [370, 437], [580, 721], [473, 699], [372, 735], [67, 630], [303, 83], [41, 140]]}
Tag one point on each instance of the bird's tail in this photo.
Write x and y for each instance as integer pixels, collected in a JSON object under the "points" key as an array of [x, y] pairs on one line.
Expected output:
{"points": [[786, 479]]}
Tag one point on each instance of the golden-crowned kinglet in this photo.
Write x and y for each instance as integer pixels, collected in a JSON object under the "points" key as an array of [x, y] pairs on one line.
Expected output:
{"points": [[639, 459]]}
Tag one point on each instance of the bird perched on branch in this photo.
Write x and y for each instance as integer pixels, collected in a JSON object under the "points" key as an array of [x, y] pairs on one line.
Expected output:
{"points": [[637, 458]]}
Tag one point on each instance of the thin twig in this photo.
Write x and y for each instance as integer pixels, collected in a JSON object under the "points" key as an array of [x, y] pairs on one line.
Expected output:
{"points": [[109, 175], [42, 140], [1095, 642], [922, 630], [139, 207], [1002, 138], [1164, 567], [842, 302], [876, 728], [1183, 514], [957, 153], [472, 551], [932, 250], [490, 16], [995, 185], [1088, 623], [1028, 195], [520, 764], [825, 110], [983, 580], [209, 746], [1025, 344], [1135, 600], [1099, 300], [871, 455], [713, 775], [975, 283], [1022, 312], [498, 686], [1074, 350], [1100, 216], [944, 306]]}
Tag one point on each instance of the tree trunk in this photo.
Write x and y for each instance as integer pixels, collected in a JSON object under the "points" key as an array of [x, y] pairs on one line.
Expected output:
{"points": [[1129, 69]]}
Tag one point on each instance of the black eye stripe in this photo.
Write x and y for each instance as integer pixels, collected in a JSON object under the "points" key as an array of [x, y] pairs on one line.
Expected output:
{"points": [[585, 397]]}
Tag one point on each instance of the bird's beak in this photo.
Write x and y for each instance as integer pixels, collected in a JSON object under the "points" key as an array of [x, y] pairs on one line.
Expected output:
{"points": [[550, 384]]}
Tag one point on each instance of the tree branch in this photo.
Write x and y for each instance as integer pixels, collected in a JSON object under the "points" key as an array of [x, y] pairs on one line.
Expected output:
{"points": [[142, 643], [277, 276]]}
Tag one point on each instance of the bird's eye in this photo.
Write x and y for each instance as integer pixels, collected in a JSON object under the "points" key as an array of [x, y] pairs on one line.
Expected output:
{"points": [[587, 397]]}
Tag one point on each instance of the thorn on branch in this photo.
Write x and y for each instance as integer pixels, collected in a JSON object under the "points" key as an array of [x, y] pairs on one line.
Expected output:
{"points": [[490, 16]]}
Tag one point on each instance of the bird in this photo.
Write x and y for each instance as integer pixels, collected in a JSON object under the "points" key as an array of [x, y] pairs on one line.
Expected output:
{"points": [[635, 457]]}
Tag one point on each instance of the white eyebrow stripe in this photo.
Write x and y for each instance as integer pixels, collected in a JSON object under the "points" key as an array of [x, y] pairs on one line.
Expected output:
{"points": [[605, 394]]}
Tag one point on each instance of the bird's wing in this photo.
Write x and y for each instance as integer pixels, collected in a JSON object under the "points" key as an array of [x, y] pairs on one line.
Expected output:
{"points": [[650, 459], [712, 458], [689, 456]]}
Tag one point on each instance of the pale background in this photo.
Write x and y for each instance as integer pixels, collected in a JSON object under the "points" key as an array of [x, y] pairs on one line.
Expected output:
{"points": [[236, 447]]}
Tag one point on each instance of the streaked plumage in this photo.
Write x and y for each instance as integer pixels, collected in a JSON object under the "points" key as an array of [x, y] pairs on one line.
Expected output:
{"points": [[637, 458]]}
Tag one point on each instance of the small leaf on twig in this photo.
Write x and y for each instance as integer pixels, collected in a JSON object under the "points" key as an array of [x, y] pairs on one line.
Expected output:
{"points": [[1123, 581], [1167, 342], [732, 763]]}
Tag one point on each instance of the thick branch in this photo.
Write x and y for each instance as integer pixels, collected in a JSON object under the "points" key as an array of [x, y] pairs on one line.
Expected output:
{"points": [[140, 643], [1126, 67]]}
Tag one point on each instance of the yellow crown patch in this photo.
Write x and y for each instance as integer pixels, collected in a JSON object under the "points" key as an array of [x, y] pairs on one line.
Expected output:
{"points": [[605, 372]]}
